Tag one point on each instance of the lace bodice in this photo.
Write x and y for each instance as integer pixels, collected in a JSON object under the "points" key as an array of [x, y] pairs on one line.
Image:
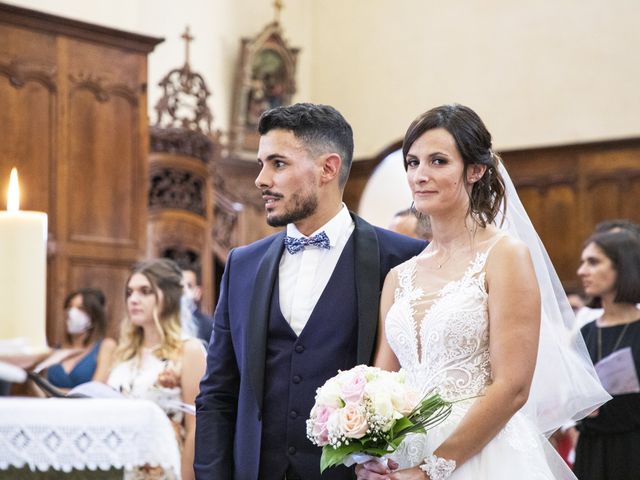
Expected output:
{"points": [[441, 339]]}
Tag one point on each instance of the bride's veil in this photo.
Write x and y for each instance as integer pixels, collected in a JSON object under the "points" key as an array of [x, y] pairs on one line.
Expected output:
{"points": [[565, 386]]}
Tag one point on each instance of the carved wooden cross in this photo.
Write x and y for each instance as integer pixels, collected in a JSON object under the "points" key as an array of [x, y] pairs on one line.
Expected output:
{"points": [[187, 39]]}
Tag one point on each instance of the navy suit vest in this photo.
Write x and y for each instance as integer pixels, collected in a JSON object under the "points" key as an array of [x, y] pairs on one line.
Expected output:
{"points": [[297, 366]]}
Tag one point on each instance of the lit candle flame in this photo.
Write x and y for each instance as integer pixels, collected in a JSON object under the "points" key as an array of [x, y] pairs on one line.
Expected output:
{"points": [[13, 196]]}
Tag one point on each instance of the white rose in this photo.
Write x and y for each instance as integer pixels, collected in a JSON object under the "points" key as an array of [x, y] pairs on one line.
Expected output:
{"points": [[329, 394], [382, 404], [405, 400]]}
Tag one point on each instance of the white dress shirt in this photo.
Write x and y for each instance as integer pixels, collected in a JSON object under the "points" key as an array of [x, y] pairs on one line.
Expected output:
{"points": [[303, 276]]}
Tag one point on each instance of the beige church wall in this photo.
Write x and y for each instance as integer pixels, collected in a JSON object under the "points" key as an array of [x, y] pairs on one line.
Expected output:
{"points": [[539, 73], [217, 27]]}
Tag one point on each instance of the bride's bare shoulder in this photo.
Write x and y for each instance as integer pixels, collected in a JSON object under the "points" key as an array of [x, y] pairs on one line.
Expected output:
{"points": [[508, 252]]}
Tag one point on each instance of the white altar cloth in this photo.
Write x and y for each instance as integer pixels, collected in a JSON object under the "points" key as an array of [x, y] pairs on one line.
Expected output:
{"points": [[64, 434]]}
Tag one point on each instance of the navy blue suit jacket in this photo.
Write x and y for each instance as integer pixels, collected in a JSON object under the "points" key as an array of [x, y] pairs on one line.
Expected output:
{"points": [[228, 420]]}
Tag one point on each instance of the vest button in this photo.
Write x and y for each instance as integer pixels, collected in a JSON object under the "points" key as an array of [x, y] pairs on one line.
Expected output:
{"points": [[292, 450], [299, 349], [293, 414], [297, 379]]}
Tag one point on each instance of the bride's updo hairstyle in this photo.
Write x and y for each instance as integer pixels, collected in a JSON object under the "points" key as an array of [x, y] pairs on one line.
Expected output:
{"points": [[473, 141]]}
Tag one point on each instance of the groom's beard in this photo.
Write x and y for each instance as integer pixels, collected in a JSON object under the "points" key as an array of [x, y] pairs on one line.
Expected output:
{"points": [[303, 206]]}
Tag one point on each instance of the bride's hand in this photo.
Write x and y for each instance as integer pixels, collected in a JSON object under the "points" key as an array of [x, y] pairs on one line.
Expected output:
{"points": [[374, 470], [409, 474]]}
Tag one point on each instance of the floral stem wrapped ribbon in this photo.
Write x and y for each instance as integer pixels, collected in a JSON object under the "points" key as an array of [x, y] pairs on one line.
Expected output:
{"points": [[366, 410]]}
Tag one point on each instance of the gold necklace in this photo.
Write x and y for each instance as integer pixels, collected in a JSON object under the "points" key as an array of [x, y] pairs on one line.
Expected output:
{"points": [[615, 346]]}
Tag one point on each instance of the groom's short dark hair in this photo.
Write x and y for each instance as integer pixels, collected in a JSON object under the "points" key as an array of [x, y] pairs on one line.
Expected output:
{"points": [[320, 127]]}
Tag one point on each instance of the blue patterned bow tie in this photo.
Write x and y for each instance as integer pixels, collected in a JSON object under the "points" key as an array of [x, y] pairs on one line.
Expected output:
{"points": [[295, 245]]}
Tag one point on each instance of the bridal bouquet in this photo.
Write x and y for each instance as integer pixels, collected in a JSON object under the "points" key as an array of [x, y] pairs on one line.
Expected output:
{"points": [[366, 410]]}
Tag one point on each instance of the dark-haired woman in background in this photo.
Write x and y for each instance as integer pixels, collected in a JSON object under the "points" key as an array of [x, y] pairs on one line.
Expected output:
{"points": [[609, 441], [89, 350]]}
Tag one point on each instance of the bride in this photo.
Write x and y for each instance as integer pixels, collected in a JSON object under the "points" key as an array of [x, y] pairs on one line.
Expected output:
{"points": [[479, 317]]}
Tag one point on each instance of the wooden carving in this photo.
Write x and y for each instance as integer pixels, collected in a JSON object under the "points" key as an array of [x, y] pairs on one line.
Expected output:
{"points": [[184, 100], [181, 141], [102, 88], [225, 223], [21, 71], [183, 149], [265, 79], [177, 189]]}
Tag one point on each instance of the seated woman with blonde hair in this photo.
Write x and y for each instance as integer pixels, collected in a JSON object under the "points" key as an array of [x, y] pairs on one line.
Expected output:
{"points": [[152, 354]]}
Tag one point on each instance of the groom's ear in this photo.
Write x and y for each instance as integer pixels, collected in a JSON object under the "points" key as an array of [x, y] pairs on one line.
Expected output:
{"points": [[475, 171], [330, 167]]}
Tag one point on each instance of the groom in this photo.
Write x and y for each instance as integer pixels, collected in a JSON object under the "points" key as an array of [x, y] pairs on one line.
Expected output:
{"points": [[294, 307]]}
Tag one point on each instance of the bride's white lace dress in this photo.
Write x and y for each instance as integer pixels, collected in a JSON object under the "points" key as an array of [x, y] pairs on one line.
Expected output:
{"points": [[440, 335]]}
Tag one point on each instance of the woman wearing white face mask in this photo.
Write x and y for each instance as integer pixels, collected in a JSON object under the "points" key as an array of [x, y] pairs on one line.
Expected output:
{"points": [[89, 352]]}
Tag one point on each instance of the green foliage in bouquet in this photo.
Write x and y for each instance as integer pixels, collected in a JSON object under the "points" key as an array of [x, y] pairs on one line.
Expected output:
{"points": [[428, 413]]}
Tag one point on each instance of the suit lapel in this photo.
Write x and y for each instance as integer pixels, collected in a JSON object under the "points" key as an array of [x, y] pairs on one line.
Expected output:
{"points": [[367, 266], [255, 351]]}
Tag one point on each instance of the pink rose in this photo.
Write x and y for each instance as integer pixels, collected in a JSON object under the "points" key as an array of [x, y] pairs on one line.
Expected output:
{"points": [[353, 391], [320, 430], [353, 422]]}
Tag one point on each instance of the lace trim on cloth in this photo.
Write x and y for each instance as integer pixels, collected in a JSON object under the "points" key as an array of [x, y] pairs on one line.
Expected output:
{"points": [[92, 434]]}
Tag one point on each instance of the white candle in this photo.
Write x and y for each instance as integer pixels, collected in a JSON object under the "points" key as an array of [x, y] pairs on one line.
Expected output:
{"points": [[23, 275]]}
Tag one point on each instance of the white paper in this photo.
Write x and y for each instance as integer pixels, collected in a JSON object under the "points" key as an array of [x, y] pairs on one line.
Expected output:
{"points": [[183, 407], [617, 372], [101, 390], [95, 390]]}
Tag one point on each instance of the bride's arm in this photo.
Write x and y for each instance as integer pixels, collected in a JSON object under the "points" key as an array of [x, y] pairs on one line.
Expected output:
{"points": [[514, 327], [384, 356]]}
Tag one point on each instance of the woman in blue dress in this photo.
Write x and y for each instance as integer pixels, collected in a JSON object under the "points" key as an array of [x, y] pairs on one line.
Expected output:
{"points": [[88, 351]]}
